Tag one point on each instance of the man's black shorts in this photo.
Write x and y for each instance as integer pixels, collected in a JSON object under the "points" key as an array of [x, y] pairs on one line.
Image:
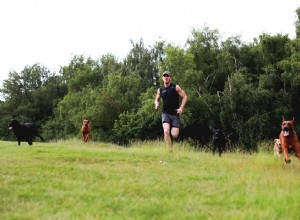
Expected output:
{"points": [[173, 120]]}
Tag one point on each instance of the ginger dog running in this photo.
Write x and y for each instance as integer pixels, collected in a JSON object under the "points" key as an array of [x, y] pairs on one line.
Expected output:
{"points": [[288, 138], [86, 130]]}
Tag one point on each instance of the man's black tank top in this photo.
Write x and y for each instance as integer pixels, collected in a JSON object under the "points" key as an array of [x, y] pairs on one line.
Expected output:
{"points": [[170, 99]]}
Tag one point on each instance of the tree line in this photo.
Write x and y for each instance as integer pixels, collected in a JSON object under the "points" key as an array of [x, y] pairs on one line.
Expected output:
{"points": [[243, 87]]}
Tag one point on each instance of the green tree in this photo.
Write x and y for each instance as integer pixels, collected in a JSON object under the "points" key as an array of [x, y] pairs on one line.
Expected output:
{"points": [[141, 124], [142, 62], [297, 23], [69, 114], [245, 111], [290, 80], [33, 93], [204, 45], [275, 48], [85, 72]]}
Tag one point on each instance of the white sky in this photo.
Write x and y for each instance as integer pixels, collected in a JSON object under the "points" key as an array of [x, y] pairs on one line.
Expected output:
{"points": [[51, 32]]}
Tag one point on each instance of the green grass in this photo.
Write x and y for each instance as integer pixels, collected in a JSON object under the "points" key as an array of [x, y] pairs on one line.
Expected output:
{"points": [[75, 180]]}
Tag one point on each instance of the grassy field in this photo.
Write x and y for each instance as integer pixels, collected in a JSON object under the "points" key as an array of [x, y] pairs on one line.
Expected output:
{"points": [[73, 180]]}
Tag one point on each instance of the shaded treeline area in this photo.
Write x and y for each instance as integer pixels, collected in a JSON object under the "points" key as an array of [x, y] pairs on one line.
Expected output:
{"points": [[243, 87]]}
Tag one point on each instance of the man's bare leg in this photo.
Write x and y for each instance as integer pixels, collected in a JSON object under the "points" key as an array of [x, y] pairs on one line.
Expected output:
{"points": [[175, 132], [167, 137]]}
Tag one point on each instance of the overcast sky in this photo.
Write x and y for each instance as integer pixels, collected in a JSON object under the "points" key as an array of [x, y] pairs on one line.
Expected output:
{"points": [[51, 32]]}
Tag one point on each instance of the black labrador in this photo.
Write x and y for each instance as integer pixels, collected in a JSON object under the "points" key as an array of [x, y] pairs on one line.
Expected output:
{"points": [[24, 132], [218, 140]]}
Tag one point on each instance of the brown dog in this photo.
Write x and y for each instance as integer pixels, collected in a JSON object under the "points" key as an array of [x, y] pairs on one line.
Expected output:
{"points": [[289, 139], [86, 130], [277, 148]]}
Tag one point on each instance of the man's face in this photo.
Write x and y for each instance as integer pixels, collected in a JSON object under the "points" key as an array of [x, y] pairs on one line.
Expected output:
{"points": [[166, 79]]}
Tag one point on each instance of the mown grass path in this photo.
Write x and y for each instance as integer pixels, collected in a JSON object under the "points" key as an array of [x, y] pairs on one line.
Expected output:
{"points": [[73, 180]]}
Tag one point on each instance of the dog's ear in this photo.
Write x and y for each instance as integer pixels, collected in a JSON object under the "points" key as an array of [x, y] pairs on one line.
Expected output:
{"points": [[275, 141], [293, 119], [283, 118]]}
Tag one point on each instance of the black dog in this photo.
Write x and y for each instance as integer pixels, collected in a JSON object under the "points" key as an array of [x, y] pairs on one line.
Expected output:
{"points": [[24, 132], [218, 140]]}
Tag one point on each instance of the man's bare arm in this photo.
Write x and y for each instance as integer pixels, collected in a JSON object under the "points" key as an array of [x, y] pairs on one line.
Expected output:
{"points": [[157, 100], [182, 94]]}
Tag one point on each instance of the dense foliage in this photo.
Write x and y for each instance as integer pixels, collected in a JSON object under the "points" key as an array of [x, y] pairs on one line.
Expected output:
{"points": [[243, 87]]}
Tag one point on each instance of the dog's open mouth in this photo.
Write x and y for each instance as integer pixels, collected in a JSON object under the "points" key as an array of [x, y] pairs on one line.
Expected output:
{"points": [[286, 131]]}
